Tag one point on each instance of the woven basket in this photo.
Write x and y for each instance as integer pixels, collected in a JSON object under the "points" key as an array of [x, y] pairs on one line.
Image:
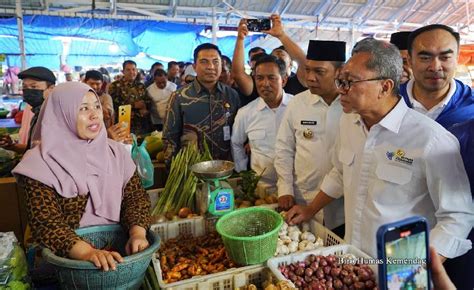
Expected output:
{"points": [[250, 235], [74, 274]]}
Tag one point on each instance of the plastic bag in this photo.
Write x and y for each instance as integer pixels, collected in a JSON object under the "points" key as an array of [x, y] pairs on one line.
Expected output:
{"points": [[143, 162]]}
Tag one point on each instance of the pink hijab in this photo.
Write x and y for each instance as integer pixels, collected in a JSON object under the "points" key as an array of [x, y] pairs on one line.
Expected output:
{"points": [[73, 166]]}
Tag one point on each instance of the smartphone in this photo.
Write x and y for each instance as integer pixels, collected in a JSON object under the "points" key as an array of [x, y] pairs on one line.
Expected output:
{"points": [[403, 248], [125, 115], [257, 25]]}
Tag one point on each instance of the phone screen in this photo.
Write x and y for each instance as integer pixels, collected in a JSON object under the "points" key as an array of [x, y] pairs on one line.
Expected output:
{"points": [[406, 255]]}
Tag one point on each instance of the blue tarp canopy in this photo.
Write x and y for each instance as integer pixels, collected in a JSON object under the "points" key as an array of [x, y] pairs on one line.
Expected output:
{"points": [[94, 42]]}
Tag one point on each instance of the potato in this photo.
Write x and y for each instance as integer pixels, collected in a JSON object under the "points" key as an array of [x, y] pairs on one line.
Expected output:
{"points": [[184, 212], [268, 199], [246, 203], [260, 202]]}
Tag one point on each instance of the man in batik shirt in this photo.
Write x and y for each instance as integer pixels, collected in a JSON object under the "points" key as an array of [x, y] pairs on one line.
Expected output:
{"points": [[127, 91], [203, 110]]}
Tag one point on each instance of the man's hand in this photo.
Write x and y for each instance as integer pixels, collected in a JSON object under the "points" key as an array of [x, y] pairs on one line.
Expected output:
{"points": [[298, 214], [440, 278], [6, 141], [286, 202], [277, 27], [242, 30], [140, 104], [137, 241]]}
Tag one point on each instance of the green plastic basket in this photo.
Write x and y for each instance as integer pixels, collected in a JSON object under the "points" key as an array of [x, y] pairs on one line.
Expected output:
{"points": [[250, 235], [74, 274]]}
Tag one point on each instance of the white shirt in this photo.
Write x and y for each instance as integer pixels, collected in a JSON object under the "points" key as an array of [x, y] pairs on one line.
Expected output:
{"points": [[259, 124], [160, 98], [302, 162], [406, 165], [436, 110]]}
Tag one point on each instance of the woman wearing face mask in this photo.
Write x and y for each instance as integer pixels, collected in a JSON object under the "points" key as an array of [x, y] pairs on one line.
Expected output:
{"points": [[37, 84], [76, 177]]}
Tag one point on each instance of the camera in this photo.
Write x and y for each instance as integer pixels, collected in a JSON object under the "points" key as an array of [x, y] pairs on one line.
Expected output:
{"points": [[257, 25]]}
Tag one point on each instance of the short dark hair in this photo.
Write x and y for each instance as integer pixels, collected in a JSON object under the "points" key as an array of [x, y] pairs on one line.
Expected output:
{"points": [[255, 57], [159, 73], [156, 64], [266, 58], [181, 64], [256, 49], [227, 60], [281, 47], [128, 62], [337, 64], [95, 75], [414, 34], [171, 64], [205, 46], [104, 71]]}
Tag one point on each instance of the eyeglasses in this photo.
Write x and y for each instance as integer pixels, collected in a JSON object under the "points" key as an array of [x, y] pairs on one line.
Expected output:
{"points": [[346, 85]]}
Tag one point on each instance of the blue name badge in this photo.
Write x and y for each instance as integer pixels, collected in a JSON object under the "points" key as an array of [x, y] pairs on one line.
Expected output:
{"points": [[223, 201]]}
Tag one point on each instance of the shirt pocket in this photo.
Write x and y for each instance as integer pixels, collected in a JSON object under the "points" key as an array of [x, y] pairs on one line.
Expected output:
{"points": [[257, 137], [393, 185], [393, 174]]}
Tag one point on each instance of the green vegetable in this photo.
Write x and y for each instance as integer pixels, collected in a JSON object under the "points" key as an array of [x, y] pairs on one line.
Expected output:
{"points": [[180, 187], [250, 180]]}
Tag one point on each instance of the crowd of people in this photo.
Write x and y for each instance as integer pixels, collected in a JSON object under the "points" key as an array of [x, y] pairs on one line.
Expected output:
{"points": [[358, 142]]}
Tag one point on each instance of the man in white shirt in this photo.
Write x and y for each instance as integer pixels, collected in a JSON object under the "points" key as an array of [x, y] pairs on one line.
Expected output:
{"points": [[259, 120], [391, 162], [160, 91], [308, 132]]}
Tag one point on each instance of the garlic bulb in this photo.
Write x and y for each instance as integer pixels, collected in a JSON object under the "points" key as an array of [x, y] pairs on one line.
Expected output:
{"points": [[308, 237], [302, 245], [319, 243], [293, 247], [280, 243], [293, 229], [286, 240], [283, 250], [309, 246], [295, 236]]}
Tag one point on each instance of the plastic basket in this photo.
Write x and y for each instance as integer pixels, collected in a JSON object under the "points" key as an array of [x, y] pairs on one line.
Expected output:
{"points": [[250, 235], [195, 227], [275, 263], [74, 274]]}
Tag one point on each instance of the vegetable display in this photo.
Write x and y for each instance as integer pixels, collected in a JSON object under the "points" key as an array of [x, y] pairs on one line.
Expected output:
{"points": [[184, 257], [292, 239], [320, 272], [180, 187]]}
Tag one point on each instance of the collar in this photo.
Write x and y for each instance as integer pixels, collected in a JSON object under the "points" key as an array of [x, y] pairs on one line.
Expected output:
{"points": [[392, 121], [284, 102], [201, 89], [444, 102], [312, 99]]}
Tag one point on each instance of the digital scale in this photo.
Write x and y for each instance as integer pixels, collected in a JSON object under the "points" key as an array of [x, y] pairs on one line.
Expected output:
{"points": [[216, 196]]}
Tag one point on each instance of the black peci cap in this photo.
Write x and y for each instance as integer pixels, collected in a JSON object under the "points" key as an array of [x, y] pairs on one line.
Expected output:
{"points": [[400, 39], [39, 73], [326, 50]]}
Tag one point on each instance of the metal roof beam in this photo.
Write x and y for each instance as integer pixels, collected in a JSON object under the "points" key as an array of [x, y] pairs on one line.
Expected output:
{"points": [[143, 12], [441, 10], [407, 7], [330, 10], [413, 13], [172, 9], [287, 5], [277, 6], [322, 5]]}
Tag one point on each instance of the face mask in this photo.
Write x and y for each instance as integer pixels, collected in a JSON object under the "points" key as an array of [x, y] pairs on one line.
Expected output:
{"points": [[33, 97]]}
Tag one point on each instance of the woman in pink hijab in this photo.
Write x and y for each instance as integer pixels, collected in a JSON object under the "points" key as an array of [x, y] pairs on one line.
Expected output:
{"points": [[76, 177]]}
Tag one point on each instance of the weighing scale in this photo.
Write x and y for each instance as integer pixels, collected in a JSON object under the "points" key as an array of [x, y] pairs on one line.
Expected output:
{"points": [[216, 195]]}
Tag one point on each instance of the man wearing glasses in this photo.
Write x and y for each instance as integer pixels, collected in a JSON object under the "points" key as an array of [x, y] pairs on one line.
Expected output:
{"points": [[391, 162]]}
